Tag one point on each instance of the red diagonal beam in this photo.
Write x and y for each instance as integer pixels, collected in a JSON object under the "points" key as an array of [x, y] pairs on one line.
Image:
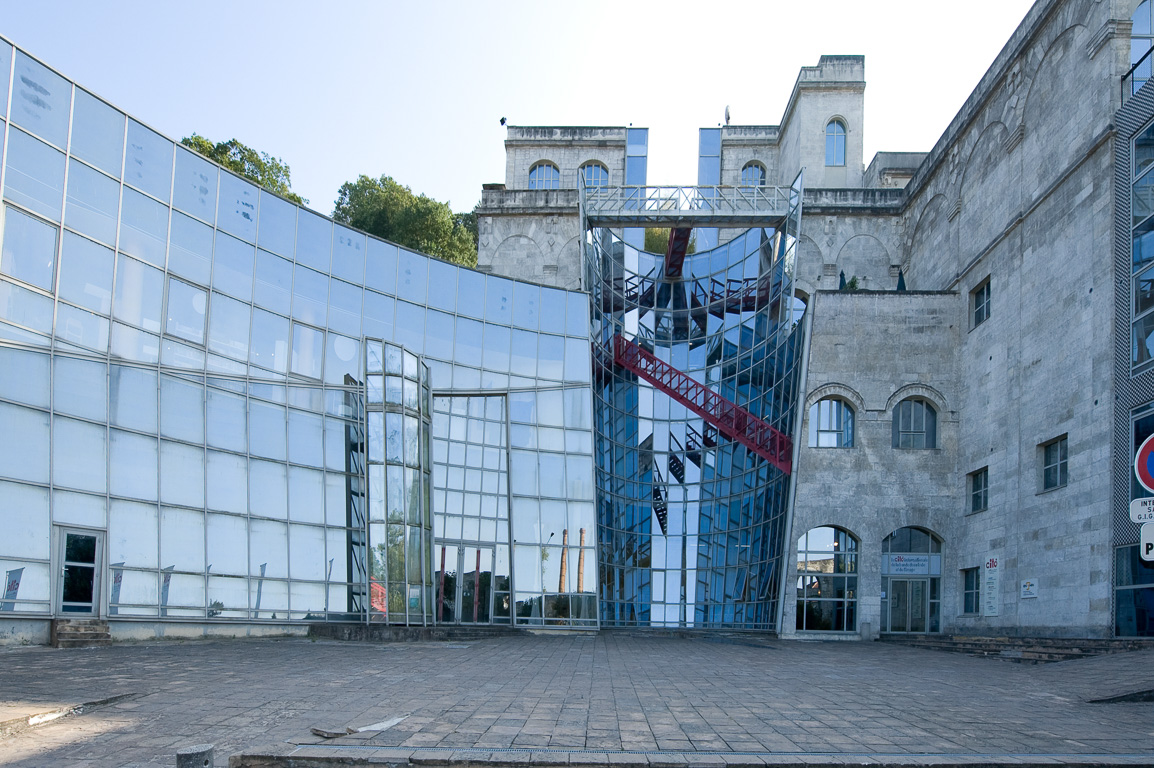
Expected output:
{"points": [[675, 252], [729, 417]]}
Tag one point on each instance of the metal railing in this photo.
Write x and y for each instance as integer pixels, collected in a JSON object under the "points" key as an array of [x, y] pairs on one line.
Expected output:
{"points": [[1133, 80], [683, 206]]}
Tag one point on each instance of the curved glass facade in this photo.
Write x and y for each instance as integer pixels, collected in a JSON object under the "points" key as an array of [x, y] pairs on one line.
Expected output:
{"points": [[257, 413], [695, 393]]}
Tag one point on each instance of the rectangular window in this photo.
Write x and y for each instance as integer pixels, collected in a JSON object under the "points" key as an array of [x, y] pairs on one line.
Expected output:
{"points": [[980, 490], [1054, 455], [971, 591], [980, 303]]}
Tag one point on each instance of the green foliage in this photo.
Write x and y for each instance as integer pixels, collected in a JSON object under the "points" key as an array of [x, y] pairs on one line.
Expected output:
{"points": [[270, 172], [851, 284], [657, 240], [388, 209]]}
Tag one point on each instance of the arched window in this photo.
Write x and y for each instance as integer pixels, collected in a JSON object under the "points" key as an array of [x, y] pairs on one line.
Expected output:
{"points": [[595, 175], [830, 424], [827, 580], [911, 581], [753, 174], [544, 176], [835, 143], [915, 424]]}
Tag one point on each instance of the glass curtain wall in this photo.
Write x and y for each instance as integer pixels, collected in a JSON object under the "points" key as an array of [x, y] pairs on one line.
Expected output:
{"points": [[183, 357], [692, 523]]}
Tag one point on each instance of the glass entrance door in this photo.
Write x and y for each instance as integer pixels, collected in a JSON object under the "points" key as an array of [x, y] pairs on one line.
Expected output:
{"points": [[908, 600], [80, 572], [464, 584]]}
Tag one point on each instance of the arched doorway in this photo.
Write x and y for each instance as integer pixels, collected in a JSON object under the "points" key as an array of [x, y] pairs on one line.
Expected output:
{"points": [[911, 582]]}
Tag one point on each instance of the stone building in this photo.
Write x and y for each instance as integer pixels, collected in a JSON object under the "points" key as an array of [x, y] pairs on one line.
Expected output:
{"points": [[901, 398]]}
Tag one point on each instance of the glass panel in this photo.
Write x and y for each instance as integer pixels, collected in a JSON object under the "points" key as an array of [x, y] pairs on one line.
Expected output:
{"points": [[274, 277], [378, 315], [412, 276], [186, 309], [191, 252], [381, 270], [343, 360], [270, 341], [132, 398], [24, 376], [80, 388], [233, 267], [5, 67], [194, 190], [93, 202], [26, 458], [228, 327], [148, 162], [81, 328], [268, 495], [306, 438], [526, 301], [266, 430], [181, 409], [25, 307], [499, 300], [349, 249], [277, 224], [471, 293], [314, 241], [553, 321], [97, 133], [29, 252], [307, 351], [236, 209], [310, 296], [139, 291], [35, 175], [79, 455], [345, 307], [132, 466], [226, 420], [41, 100], [145, 227]]}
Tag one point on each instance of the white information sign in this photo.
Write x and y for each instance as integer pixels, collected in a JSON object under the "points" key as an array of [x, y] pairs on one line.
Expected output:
{"points": [[1146, 542], [1029, 588], [909, 565], [991, 588], [1142, 510]]}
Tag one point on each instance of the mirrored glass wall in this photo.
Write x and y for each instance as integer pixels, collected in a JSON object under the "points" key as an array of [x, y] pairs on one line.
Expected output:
{"points": [[232, 394], [692, 519]]}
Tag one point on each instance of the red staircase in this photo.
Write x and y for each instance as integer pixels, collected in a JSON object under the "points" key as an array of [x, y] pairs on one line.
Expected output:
{"points": [[731, 419], [675, 252]]}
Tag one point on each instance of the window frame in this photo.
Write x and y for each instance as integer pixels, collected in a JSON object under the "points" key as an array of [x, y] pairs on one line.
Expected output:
{"points": [[1058, 461], [928, 431], [835, 143], [596, 166], [980, 303], [971, 591], [979, 490], [540, 169], [749, 168], [826, 412], [847, 576]]}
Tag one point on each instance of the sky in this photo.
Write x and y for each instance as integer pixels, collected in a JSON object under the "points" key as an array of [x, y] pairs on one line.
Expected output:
{"points": [[416, 90]]}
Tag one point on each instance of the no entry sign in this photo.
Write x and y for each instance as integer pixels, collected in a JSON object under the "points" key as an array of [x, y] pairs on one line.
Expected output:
{"points": [[1144, 464]]}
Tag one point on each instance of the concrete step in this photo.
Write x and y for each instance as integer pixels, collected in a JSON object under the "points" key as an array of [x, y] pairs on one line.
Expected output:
{"points": [[80, 633], [1022, 649]]}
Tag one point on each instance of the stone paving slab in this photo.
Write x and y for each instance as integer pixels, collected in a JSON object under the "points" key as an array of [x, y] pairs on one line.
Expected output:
{"points": [[610, 699]]}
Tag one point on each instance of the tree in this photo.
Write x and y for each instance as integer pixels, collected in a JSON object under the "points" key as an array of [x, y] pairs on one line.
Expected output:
{"points": [[270, 172], [388, 209], [657, 240]]}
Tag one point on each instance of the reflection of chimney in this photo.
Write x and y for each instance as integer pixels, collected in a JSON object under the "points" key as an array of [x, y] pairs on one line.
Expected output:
{"points": [[564, 560], [581, 564]]}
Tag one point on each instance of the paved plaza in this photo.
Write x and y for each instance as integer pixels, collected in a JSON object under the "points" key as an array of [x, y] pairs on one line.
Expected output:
{"points": [[611, 698]]}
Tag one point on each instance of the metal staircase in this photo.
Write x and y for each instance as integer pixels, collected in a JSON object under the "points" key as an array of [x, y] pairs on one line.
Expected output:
{"points": [[730, 419]]}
